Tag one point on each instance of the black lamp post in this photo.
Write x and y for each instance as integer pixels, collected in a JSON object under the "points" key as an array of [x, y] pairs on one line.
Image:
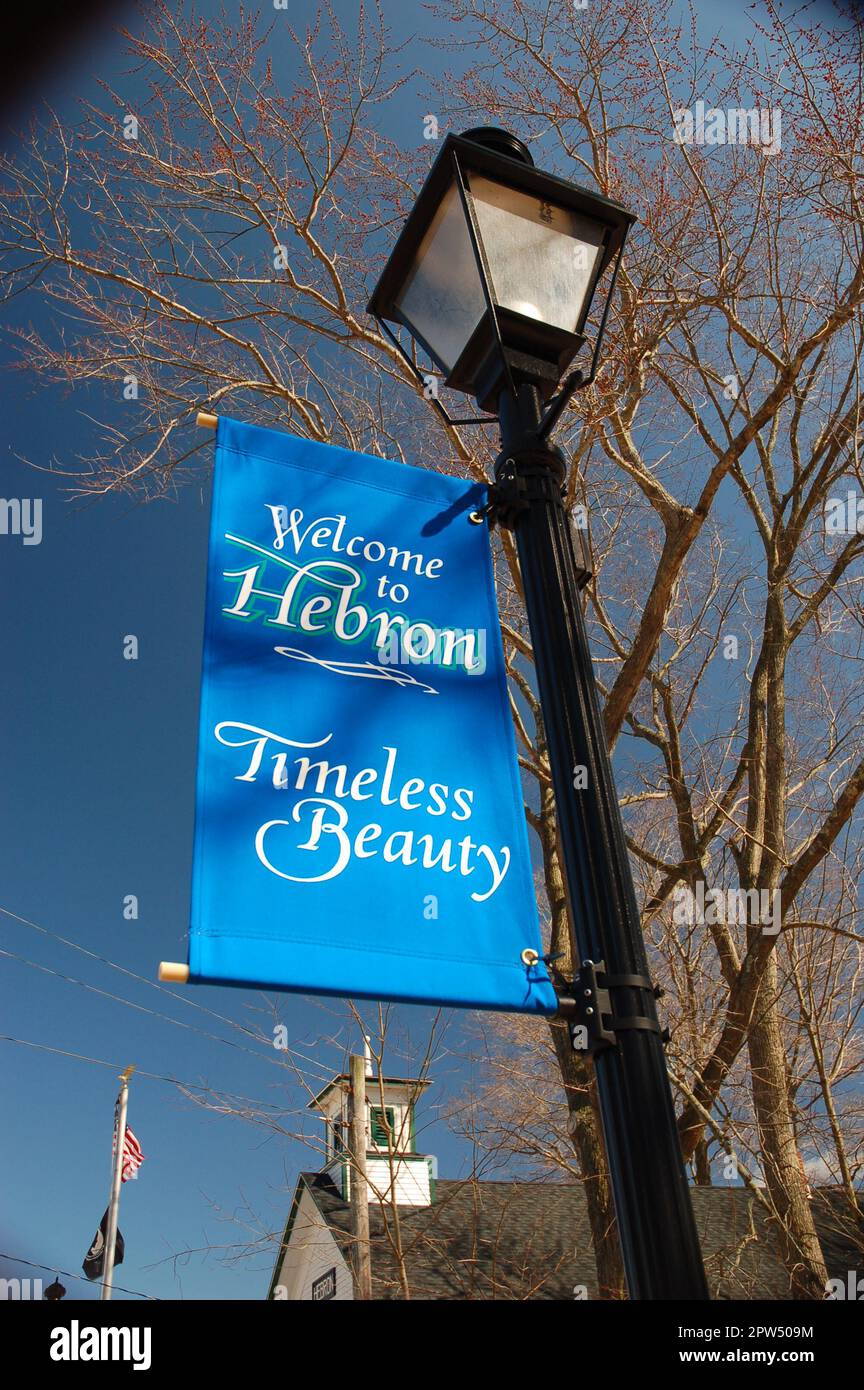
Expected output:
{"points": [[494, 275]]}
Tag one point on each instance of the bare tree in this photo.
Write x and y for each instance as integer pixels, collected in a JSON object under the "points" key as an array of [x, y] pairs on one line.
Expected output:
{"points": [[212, 249], [734, 365]]}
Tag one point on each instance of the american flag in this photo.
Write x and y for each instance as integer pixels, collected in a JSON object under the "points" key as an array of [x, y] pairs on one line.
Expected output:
{"points": [[132, 1155]]}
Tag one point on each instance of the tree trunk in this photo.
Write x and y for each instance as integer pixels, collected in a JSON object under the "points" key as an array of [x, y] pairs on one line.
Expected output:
{"points": [[702, 1164], [783, 1170], [763, 862], [577, 1076], [584, 1130]]}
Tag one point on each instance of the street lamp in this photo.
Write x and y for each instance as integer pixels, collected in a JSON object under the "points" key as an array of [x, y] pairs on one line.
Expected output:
{"points": [[495, 275], [496, 268]]}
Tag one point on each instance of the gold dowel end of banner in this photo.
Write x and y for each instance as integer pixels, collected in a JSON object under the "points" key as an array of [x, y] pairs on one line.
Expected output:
{"points": [[173, 972], [206, 421]]}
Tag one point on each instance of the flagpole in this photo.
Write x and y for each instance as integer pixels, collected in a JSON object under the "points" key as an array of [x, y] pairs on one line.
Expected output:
{"points": [[116, 1177]]}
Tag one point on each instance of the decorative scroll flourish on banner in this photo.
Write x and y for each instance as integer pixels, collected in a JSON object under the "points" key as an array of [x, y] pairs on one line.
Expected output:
{"points": [[367, 669], [359, 822]]}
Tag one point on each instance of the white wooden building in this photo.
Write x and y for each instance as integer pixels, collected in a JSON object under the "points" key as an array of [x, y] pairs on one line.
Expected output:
{"points": [[311, 1264], [484, 1239]]}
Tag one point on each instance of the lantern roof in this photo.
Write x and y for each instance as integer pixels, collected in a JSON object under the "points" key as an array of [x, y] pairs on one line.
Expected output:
{"points": [[495, 270], [507, 169]]}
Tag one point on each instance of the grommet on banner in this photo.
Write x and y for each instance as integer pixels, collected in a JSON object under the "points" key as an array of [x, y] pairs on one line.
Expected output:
{"points": [[477, 517], [531, 957]]}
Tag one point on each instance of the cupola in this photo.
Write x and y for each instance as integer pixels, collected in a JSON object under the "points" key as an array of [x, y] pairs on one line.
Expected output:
{"points": [[391, 1138]]}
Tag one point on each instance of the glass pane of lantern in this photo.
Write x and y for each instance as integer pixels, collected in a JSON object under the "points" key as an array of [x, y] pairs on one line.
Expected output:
{"points": [[443, 295], [541, 256]]}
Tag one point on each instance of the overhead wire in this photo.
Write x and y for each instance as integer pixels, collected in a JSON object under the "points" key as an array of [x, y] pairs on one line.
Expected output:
{"points": [[152, 984], [140, 1071], [67, 1274], [130, 1004]]}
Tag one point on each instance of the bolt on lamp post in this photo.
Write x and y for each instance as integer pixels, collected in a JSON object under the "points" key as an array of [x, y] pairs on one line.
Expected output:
{"points": [[494, 274]]}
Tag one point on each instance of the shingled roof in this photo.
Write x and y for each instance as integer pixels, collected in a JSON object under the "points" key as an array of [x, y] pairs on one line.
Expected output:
{"points": [[512, 1240]]}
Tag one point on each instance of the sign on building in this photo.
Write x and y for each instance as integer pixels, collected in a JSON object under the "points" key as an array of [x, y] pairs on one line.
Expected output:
{"points": [[324, 1287]]}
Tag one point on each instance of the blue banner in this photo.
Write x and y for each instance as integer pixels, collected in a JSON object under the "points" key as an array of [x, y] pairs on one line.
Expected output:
{"points": [[359, 822]]}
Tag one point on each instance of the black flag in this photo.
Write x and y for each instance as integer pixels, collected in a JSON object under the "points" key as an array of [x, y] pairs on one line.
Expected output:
{"points": [[94, 1260]]}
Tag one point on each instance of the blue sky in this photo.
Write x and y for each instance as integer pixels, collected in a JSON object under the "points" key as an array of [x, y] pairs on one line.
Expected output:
{"points": [[97, 756]]}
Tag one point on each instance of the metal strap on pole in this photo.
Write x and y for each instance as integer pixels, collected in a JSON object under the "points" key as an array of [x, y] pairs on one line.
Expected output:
{"points": [[591, 1011]]}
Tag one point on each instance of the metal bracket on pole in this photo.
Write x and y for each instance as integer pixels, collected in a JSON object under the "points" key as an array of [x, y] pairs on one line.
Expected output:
{"points": [[515, 488], [519, 483], [590, 1007]]}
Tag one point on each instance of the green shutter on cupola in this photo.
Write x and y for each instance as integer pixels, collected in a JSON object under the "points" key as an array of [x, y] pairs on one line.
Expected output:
{"points": [[379, 1128]]}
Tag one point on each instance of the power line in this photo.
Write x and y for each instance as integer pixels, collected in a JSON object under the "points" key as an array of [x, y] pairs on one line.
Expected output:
{"points": [[141, 1008], [139, 1071], [152, 984], [142, 979], [67, 1274]]}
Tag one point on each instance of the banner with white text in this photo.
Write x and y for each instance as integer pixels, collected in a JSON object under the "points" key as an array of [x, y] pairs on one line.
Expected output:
{"points": [[359, 821]]}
